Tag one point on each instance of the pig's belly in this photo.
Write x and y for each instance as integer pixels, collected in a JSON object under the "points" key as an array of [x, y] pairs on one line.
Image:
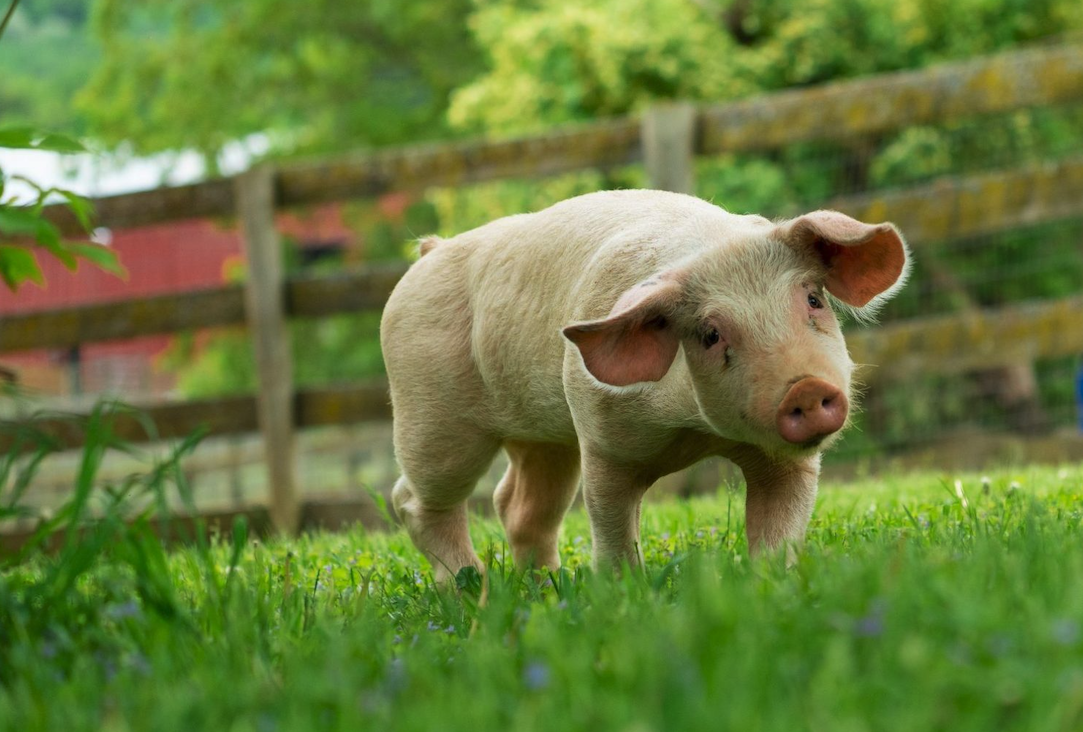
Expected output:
{"points": [[526, 402]]}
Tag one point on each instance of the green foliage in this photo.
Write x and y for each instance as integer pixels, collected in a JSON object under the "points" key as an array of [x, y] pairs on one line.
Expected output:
{"points": [[109, 563], [560, 60], [924, 602], [44, 57], [314, 76], [24, 229]]}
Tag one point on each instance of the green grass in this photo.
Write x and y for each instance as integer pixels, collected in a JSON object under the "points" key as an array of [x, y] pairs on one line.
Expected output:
{"points": [[910, 608]]}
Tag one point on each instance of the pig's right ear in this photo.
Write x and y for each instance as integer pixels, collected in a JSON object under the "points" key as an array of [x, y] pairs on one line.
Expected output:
{"points": [[866, 263], [638, 340]]}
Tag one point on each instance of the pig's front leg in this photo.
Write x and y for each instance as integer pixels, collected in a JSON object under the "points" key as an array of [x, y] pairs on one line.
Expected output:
{"points": [[613, 494], [780, 497]]}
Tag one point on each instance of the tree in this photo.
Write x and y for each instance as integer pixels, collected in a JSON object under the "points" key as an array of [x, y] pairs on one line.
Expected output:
{"points": [[314, 76], [24, 231], [555, 61]]}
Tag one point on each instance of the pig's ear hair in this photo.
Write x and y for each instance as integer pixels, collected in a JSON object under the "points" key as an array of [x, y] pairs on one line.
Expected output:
{"points": [[638, 340], [866, 263]]}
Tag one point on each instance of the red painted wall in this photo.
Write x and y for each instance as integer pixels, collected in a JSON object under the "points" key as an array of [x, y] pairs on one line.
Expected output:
{"points": [[180, 256]]}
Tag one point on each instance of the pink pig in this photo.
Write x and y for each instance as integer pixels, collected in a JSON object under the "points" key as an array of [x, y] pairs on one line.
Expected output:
{"points": [[622, 336]]}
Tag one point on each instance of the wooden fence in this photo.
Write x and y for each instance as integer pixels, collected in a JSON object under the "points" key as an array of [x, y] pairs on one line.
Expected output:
{"points": [[666, 140]]}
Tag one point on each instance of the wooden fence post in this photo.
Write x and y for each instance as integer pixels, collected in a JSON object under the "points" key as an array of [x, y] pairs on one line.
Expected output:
{"points": [[669, 136], [265, 306]]}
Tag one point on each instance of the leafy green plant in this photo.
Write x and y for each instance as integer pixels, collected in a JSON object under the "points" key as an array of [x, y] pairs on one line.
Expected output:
{"points": [[108, 561], [24, 228], [957, 591]]}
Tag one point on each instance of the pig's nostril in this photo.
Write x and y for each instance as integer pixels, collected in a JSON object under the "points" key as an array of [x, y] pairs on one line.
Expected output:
{"points": [[796, 412]]}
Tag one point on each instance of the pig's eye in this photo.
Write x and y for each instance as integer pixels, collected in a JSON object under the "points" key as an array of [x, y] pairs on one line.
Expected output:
{"points": [[814, 301], [710, 338]]}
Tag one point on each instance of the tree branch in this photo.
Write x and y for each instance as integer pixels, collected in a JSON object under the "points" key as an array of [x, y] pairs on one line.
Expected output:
{"points": [[7, 16]]}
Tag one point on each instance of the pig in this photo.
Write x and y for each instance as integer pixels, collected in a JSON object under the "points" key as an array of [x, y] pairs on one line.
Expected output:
{"points": [[614, 338]]}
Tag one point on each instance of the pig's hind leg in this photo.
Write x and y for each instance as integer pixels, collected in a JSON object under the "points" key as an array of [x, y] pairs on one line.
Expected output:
{"points": [[533, 497], [441, 465]]}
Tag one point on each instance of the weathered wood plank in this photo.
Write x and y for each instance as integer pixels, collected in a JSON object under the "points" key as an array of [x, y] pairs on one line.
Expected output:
{"points": [[344, 405], [878, 104], [953, 208], [210, 198], [971, 341], [266, 313], [222, 416], [176, 529], [955, 343], [669, 142], [600, 145], [1013, 80], [122, 319], [306, 296], [363, 402], [350, 291], [944, 209]]}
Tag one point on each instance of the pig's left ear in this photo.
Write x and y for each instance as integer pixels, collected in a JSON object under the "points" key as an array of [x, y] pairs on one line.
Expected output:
{"points": [[865, 262], [638, 340]]}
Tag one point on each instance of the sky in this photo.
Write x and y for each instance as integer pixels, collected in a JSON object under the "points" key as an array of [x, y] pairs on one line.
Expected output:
{"points": [[94, 175]]}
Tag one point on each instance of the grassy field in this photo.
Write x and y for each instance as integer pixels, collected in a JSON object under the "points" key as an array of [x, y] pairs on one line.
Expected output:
{"points": [[918, 603]]}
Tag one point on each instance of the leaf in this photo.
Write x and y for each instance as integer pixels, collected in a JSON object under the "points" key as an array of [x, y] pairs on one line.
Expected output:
{"points": [[26, 138], [100, 256], [17, 138], [49, 239], [81, 207], [59, 143], [25, 220], [18, 265], [18, 220], [47, 234]]}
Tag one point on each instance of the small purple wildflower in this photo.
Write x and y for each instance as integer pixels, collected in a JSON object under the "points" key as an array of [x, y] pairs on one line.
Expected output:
{"points": [[536, 676], [1065, 632], [123, 611], [433, 626], [396, 676], [872, 624], [139, 663], [1000, 645]]}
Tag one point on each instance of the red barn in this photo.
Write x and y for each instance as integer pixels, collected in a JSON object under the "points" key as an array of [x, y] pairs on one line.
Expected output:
{"points": [[167, 258]]}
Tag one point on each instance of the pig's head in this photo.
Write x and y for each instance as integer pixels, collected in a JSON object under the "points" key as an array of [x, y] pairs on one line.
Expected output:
{"points": [[755, 320]]}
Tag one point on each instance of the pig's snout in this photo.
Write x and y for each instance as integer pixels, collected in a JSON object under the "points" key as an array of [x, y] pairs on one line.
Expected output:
{"points": [[811, 410]]}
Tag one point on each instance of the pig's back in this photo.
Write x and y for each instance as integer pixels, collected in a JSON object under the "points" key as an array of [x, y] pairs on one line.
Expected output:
{"points": [[529, 276]]}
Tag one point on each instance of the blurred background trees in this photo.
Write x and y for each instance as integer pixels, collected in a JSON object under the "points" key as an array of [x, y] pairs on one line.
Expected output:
{"points": [[323, 77]]}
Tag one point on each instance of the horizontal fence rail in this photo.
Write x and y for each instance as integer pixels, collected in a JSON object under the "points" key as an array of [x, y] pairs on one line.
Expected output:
{"points": [[213, 417], [306, 297], [969, 341], [951, 208], [835, 111], [888, 102]]}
